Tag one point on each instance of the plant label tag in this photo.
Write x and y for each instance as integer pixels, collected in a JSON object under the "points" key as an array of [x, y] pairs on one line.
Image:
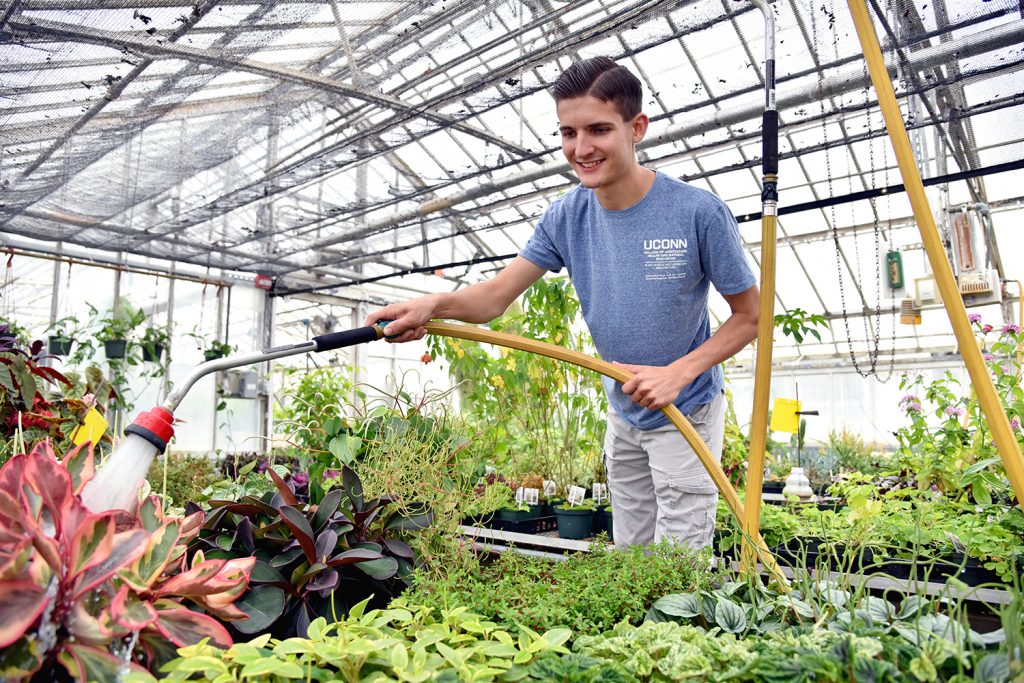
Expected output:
{"points": [[91, 430], [576, 495], [549, 488], [600, 492], [528, 496]]}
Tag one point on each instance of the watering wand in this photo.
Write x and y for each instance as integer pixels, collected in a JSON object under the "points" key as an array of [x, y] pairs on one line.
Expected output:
{"points": [[118, 481]]}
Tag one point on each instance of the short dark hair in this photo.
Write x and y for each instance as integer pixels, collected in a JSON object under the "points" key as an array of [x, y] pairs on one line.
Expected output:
{"points": [[602, 78]]}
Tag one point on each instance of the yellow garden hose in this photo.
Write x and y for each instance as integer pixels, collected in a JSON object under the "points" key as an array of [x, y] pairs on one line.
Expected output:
{"points": [[582, 360]]}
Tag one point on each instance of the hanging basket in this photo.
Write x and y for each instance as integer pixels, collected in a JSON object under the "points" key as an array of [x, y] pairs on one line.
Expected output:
{"points": [[59, 346], [115, 348], [152, 354]]}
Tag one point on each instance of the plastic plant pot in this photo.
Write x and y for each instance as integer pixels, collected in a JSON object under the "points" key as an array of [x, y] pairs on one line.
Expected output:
{"points": [[152, 355], [608, 523], [115, 348], [59, 346], [517, 515], [575, 524]]}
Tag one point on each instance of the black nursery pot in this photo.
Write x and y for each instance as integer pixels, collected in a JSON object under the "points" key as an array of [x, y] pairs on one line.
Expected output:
{"points": [[968, 569], [59, 346], [115, 348], [152, 355]]}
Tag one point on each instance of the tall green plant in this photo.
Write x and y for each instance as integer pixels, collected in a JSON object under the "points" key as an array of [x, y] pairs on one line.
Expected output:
{"points": [[549, 415]]}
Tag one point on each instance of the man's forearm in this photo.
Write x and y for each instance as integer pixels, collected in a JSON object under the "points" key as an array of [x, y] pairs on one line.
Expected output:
{"points": [[471, 305], [734, 334]]}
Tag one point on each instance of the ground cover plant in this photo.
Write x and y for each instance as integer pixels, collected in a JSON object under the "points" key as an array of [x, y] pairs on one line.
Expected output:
{"points": [[589, 592], [405, 642]]}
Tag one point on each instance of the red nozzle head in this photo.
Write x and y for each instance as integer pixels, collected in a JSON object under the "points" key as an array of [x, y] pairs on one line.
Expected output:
{"points": [[156, 426]]}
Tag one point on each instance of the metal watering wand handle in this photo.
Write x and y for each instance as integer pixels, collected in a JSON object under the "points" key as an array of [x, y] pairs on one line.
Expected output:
{"points": [[324, 342]]}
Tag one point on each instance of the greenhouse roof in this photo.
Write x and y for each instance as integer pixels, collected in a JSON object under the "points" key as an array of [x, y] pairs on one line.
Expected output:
{"points": [[326, 144]]}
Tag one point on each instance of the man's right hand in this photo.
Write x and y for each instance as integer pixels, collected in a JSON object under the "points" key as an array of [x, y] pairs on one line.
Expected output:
{"points": [[407, 319]]}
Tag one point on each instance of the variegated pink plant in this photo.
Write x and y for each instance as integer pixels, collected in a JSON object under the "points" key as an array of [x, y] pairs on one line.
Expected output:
{"points": [[79, 590]]}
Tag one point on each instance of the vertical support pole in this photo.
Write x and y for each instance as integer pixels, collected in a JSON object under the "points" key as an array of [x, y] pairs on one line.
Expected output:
{"points": [[766, 315], [1002, 434]]}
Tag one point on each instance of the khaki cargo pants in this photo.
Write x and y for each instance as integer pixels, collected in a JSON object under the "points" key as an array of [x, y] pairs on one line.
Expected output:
{"points": [[659, 489]]}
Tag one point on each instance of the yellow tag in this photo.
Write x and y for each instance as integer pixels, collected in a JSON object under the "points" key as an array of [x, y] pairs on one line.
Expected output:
{"points": [[784, 415], [91, 430]]}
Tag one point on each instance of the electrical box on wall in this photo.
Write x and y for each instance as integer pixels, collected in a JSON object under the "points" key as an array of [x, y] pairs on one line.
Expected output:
{"points": [[241, 383]]}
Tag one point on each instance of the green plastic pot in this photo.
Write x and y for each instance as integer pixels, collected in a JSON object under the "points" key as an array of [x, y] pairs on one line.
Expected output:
{"points": [[574, 524]]}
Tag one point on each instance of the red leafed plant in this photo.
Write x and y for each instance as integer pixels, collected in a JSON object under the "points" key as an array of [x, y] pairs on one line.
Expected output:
{"points": [[99, 594]]}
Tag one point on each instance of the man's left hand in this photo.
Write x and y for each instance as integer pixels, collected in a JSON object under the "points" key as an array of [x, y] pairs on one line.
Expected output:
{"points": [[653, 386]]}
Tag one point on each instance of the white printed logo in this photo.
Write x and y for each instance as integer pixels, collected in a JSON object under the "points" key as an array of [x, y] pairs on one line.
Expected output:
{"points": [[665, 259]]}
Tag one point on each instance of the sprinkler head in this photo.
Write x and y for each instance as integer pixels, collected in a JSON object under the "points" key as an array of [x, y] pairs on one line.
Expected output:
{"points": [[155, 426]]}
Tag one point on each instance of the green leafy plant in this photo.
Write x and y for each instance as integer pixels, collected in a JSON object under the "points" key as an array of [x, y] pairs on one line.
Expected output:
{"points": [[586, 593], [798, 323], [154, 340], [312, 560], [117, 322], [312, 418], [544, 416], [79, 589], [182, 478], [406, 642]]}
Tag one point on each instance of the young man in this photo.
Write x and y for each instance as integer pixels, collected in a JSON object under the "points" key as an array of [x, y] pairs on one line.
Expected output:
{"points": [[641, 249]]}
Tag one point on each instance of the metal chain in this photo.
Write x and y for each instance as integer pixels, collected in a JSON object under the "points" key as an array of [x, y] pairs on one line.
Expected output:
{"points": [[873, 350]]}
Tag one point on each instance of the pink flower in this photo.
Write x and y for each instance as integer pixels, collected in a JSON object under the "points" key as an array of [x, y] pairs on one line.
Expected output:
{"points": [[954, 411], [1010, 329], [974, 317], [909, 398], [914, 407], [987, 356], [1015, 424], [986, 328]]}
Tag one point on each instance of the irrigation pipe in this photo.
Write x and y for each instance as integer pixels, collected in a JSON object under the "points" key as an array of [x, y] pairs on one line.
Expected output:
{"points": [[605, 368], [1002, 433], [751, 520]]}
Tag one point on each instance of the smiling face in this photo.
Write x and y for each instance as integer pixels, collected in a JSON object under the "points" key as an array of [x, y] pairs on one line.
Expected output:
{"points": [[600, 146]]}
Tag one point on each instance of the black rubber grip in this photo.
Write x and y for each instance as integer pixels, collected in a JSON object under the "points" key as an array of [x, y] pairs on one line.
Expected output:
{"points": [[337, 340], [770, 142]]}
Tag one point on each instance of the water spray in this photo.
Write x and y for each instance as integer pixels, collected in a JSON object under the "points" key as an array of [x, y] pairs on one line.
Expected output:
{"points": [[119, 480]]}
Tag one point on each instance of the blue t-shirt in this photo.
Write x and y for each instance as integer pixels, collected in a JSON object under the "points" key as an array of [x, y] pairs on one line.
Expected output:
{"points": [[642, 276]]}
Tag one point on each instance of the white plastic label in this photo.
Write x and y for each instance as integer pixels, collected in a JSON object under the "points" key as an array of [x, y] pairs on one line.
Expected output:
{"points": [[549, 488], [528, 496], [599, 492], [576, 495]]}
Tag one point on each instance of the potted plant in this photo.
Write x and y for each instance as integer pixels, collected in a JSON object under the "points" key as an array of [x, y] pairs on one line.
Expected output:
{"points": [[575, 521], [116, 328], [217, 349], [64, 333], [154, 339]]}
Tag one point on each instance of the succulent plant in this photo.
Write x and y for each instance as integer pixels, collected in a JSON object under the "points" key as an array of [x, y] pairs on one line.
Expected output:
{"points": [[311, 559], [80, 590]]}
